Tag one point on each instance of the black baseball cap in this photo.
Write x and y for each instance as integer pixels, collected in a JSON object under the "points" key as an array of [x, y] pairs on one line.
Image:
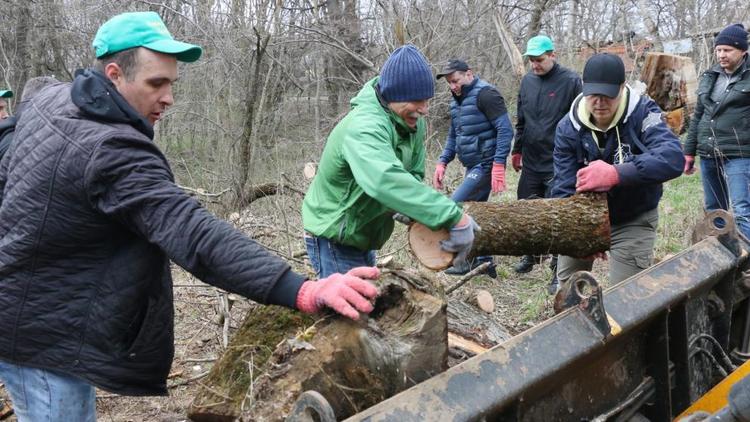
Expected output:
{"points": [[603, 75], [453, 65]]}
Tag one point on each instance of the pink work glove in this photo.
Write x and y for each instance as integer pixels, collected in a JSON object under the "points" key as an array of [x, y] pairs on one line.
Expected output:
{"points": [[516, 161], [689, 164], [598, 176], [498, 177], [437, 178], [340, 292]]}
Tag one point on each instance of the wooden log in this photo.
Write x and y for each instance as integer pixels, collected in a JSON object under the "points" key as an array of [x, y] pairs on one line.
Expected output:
{"points": [[577, 226], [352, 364], [671, 81], [470, 323], [454, 340], [484, 301]]}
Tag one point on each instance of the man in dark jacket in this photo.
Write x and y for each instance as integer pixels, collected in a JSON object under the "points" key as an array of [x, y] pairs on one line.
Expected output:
{"points": [[89, 219], [546, 94], [614, 140], [720, 128], [480, 134]]}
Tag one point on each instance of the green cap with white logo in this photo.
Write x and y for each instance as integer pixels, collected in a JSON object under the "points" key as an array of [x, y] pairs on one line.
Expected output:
{"points": [[6, 93], [141, 29], [539, 45]]}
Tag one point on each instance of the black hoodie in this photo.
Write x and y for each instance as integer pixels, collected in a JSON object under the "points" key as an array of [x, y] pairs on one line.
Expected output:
{"points": [[89, 220]]}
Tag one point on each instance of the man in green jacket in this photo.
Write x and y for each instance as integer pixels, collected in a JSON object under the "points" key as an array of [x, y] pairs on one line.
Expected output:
{"points": [[372, 168], [720, 128]]}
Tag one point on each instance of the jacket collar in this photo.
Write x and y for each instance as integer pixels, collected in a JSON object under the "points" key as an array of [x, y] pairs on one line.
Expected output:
{"points": [[96, 96]]}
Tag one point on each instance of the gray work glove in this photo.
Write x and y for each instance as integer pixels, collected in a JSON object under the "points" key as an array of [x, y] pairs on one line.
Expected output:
{"points": [[460, 242], [402, 219]]}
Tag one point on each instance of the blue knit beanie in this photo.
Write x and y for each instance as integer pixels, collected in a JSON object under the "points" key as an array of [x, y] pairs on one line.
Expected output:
{"points": [[406, 76], [733, 36]]}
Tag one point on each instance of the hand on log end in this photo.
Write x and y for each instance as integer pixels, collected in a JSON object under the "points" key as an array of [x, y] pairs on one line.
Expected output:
{"points": [[577, 226], [344, 293]]}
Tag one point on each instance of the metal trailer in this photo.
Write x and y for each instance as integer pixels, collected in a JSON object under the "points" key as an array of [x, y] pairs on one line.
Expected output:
{"points": [[644, 349]]}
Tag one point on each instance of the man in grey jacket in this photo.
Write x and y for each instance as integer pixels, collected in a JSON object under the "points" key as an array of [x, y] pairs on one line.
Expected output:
{"points": [[91, 217]]}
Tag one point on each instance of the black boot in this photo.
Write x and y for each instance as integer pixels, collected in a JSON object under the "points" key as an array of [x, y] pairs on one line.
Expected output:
{"points": [[525, 265]]}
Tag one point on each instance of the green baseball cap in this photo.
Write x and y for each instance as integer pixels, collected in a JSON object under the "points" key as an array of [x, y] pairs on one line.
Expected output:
{"points": [[6, 93], [141, 29], [539, 45]]}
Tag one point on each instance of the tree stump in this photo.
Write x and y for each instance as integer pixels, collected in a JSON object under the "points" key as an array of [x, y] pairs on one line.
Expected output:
{"points": [[577, 226], [671, 81], [352, 364]]}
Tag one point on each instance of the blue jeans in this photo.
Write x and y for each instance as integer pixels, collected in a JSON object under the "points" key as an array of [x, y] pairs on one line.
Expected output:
{"points": [[329, 257], [476, 185], [44, 395], [726, 182]]}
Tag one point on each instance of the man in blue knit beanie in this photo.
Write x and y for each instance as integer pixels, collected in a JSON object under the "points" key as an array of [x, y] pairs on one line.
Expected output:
{"points": [[371, 173], [719, 132]]}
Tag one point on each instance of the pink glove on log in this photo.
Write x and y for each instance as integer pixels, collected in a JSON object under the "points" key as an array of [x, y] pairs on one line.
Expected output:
{"points": [[498, 177], [437, 178], [689, 164], [516, 161], [598, 176], [340, 292]]}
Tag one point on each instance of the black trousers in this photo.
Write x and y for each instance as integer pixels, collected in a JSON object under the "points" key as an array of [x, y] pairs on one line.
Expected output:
{"points": [[534, 185]]}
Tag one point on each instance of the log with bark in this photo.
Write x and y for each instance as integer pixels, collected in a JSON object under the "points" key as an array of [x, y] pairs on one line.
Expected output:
{"points": [[671, 81], [278, 354], [577, 226]]}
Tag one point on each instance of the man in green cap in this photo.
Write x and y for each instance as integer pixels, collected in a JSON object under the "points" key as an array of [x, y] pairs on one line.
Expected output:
{"points": [[4, 109], [91, 218], [545, 96]]}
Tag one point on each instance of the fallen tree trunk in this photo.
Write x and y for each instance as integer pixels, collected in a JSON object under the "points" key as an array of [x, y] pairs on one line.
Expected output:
{"points": [[577, 226], [352, 364]]}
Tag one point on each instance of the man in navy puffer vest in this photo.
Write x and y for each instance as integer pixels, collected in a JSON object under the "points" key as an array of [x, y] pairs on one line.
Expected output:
{"points": [[480, 134]]}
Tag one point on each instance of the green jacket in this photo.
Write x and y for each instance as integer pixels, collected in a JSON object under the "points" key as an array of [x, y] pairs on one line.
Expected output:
{"points": [[372, 166], [723, 128]]}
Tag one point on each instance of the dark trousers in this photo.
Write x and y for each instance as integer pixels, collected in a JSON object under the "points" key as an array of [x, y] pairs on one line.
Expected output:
{"points": [[534, 185]]}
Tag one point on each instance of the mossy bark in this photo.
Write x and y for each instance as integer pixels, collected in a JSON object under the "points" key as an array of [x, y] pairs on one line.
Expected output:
{"points": [[353, 364], [577, 226]]}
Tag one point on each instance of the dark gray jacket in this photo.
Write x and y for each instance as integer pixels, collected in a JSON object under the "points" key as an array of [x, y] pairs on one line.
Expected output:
{"points": [[721, 127], [89, 219], [542, 102]]}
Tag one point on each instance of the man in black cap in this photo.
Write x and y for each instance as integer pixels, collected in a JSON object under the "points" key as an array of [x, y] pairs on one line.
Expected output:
{"points": [[720, 130], [614, 140], [480, 134]]}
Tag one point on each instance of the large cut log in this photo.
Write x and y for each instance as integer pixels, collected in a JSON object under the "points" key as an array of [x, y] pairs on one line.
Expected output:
{"points": [[577, 226], [671, 81], [352, 364]]}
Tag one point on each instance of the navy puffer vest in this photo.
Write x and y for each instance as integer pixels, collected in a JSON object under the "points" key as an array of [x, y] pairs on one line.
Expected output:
{"points": [[475, 135]]}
